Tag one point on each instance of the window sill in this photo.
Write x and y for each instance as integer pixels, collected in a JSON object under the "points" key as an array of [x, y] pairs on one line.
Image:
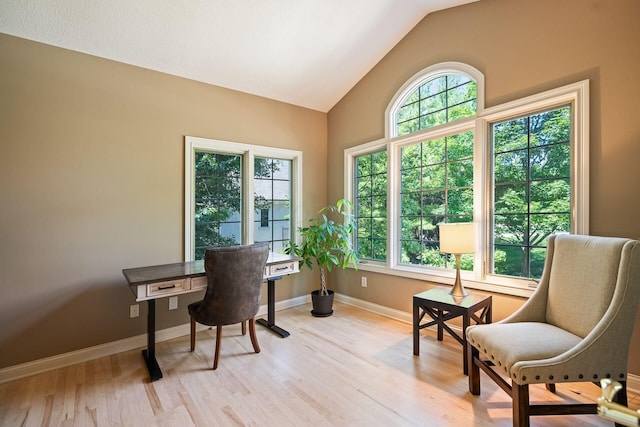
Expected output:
{"points": [[515, 289]]}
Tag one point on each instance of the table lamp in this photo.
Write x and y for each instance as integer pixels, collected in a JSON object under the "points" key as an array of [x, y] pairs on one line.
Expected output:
{"points": [[457, 239]]}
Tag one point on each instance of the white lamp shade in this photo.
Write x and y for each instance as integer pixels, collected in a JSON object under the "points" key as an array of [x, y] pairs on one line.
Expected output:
{"points": [[457, 238]]}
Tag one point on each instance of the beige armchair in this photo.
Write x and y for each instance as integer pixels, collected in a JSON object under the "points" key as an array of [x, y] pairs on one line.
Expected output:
{"points": [[576, 326]]}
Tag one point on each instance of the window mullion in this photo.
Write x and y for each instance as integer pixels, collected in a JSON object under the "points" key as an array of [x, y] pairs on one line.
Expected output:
{"points": [[248, 188], [393, 211]]}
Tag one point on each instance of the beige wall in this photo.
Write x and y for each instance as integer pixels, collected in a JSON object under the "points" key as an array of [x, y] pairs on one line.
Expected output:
{"points": [[522, 47], [92, 181]]}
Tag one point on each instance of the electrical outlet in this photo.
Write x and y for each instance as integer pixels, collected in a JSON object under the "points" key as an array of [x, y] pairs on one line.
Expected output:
{"points": [[134, 310], [173, 303], [363, 281]]}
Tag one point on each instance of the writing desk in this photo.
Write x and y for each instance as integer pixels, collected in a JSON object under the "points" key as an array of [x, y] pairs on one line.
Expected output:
{"points": [[160, 281]]}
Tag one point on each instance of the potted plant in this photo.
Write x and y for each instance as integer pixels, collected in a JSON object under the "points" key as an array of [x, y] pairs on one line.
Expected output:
{"points": [[326, 242]]}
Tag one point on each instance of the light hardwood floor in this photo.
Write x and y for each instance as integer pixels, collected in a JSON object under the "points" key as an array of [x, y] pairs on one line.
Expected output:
{"points": [[354, 368]]}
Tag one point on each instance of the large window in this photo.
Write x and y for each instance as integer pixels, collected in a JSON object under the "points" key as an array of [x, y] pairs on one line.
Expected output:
{"points": [[532, 189], [518, 171], [436, 185], [238, 194]]}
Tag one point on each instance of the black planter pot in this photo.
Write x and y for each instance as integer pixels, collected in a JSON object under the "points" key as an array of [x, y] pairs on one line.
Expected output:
{"points": [[322, 304]]}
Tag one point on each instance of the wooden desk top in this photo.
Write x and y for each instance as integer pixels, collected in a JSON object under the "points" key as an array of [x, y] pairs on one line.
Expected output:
{"points": [[179, 270]]}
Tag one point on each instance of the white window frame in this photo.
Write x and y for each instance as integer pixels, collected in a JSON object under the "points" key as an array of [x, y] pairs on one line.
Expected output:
{"points": [[249, 153], [576, 95]]}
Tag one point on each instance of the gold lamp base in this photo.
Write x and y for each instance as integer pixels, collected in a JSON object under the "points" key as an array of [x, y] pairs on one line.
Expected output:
{"points": [[458, 290]]}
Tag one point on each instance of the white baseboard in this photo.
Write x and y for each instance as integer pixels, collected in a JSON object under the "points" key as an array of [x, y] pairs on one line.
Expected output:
{"points": [[83, 355], [633, 381], [402, 316]]}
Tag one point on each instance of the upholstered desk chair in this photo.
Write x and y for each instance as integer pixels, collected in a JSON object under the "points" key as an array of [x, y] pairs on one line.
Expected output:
{"points": [[576, 326], [234, 285]]}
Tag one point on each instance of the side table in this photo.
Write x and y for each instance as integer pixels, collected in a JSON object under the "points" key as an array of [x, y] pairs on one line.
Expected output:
{"points": [[441, 307]]}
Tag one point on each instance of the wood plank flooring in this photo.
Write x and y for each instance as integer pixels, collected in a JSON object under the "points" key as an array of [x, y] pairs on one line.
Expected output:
{"points": [[354, 368]]}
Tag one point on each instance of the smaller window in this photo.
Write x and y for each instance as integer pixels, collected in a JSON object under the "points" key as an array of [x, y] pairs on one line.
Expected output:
{"points": [[272, 183], [217, 211], [239, 193], [371, 205]]}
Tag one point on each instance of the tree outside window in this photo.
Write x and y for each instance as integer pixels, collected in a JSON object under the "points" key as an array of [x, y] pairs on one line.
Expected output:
{"points": [[371, 206], [532, 189], [436, 185]]}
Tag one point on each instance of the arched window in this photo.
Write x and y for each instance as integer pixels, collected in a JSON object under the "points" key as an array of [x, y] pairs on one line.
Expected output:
{"points": [[437, 95]]}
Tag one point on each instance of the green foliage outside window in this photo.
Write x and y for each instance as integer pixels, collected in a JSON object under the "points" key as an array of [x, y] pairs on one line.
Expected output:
{"points": [[371, 206], [218, 198], [436, 185], [438, 101], [532, 193]]}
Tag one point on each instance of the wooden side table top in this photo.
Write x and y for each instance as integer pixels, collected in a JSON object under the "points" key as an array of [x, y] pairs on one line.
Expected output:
{"points": [[441, 295]]}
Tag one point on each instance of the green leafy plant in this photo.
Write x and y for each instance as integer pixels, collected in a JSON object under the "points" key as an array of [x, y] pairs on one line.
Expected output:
{"points": [[326, 242]]}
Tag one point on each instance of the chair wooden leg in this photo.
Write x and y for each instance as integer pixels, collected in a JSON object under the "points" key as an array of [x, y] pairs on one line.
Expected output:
{"points": [[244, 327], [217, 351], [473, 370], [252, 333], [520, 397], [551, 387], [621, 395], [621, 398], [193, 334]]}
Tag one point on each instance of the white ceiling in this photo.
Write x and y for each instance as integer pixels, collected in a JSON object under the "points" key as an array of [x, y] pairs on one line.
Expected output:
{"points": [[304, 52]]}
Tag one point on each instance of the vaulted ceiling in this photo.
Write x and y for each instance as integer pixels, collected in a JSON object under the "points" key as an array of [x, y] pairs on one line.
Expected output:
{"points": [[304, 52]]}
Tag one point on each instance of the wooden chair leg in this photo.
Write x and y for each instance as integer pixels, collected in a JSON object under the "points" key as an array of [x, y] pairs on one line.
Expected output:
{"points": [[621, 395], [252, 333], [244, 328], [193, 334], [621, 398], [217, 351], [473, 370], [551, 387], [520, 397]]}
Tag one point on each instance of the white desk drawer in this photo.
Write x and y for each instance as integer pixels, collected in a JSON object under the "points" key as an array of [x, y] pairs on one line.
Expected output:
{"points": [[198, 283], [284, 268], [166, 288]]}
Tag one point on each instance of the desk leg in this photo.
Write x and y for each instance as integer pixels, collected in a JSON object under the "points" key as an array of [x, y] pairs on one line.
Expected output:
{"points": [[271, 310], [149, 354]]}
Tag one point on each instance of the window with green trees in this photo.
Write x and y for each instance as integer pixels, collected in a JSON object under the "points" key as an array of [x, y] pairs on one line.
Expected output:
{"points": [[436, 185], [532, 189], [218, 200], [371, 205], [437, 101]]}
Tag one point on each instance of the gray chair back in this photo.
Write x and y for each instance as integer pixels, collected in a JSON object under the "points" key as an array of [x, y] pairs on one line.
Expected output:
{"points": [[234, 284]]}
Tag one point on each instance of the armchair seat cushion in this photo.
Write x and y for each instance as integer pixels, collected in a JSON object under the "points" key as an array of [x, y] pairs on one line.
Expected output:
{"points": [[505, 344]]}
